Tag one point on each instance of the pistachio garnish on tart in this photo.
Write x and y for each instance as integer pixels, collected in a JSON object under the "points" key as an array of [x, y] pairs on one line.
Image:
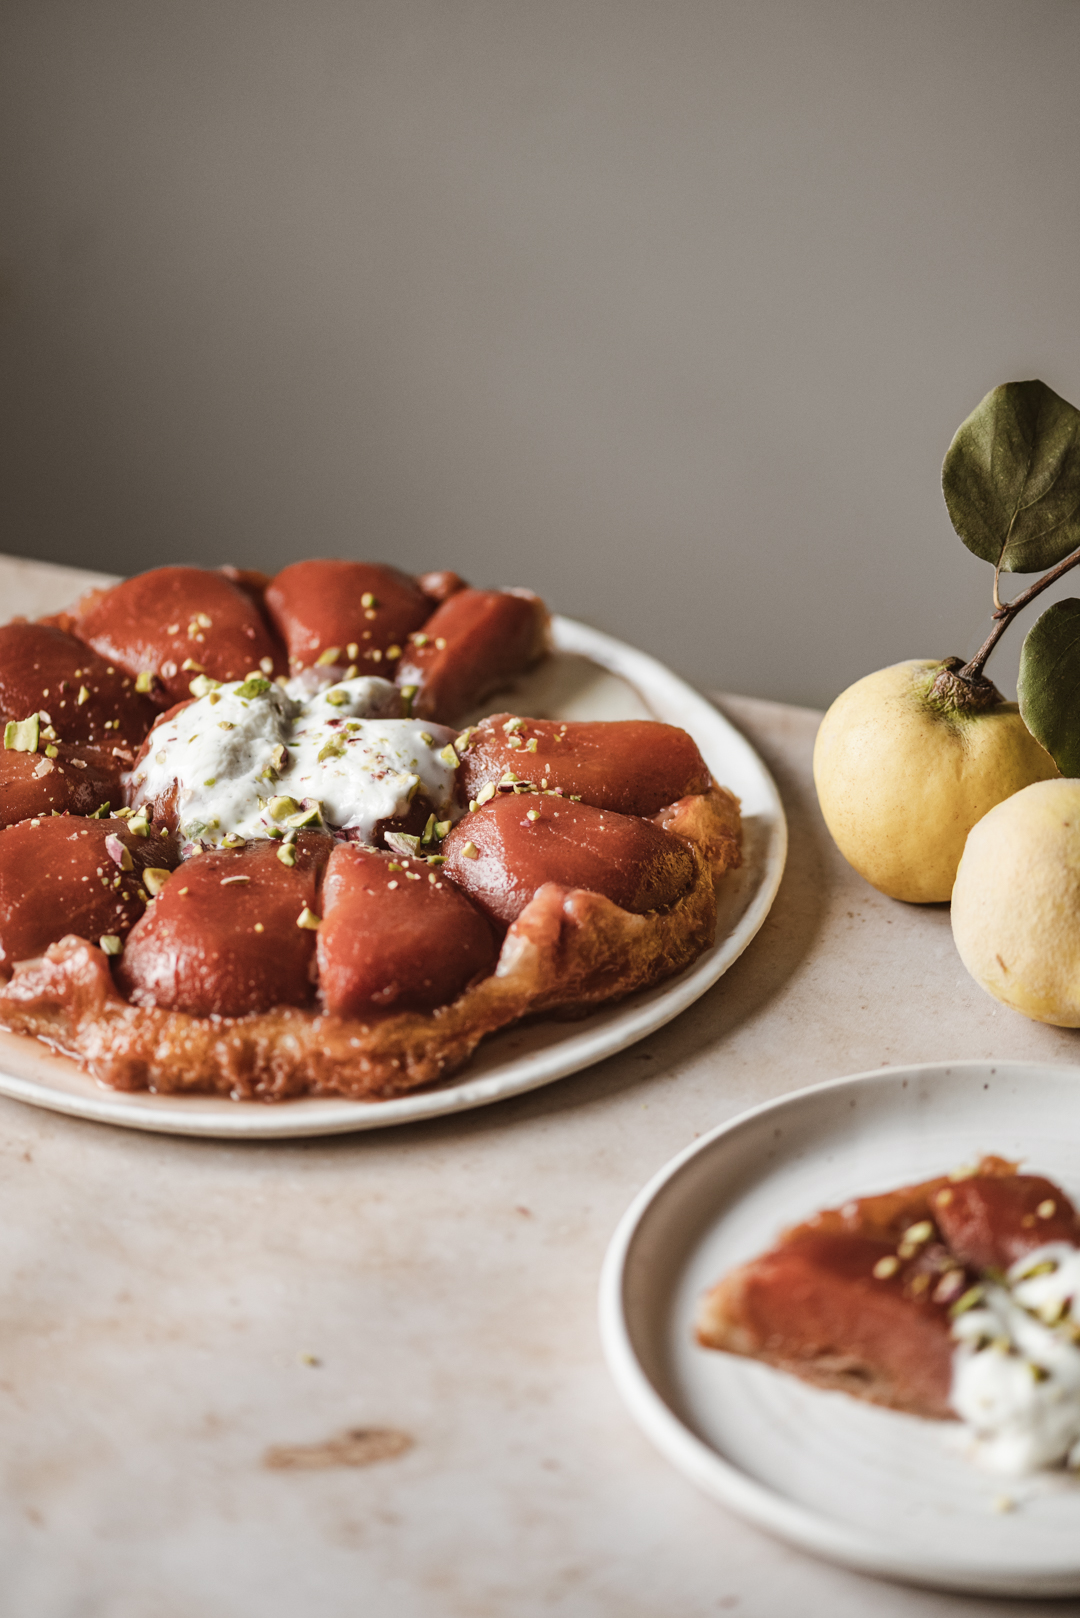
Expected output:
{"points": [[955, 1298], [246, 848]]}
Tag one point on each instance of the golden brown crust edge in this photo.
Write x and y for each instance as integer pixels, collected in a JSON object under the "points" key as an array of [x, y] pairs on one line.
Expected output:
{"points": [[721, 1324], [569, 950]]}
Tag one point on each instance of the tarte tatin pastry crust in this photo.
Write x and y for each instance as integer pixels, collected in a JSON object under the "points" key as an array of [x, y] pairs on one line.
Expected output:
{"points": [[567, 952]]}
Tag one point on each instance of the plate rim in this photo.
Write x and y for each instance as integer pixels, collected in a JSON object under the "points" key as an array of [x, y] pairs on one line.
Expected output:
{"points": [[314, 1116], [720, 1478]]}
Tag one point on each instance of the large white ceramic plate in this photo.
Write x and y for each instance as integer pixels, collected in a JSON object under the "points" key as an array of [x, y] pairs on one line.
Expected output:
{"points": [[590, 676], [881, 1492]]}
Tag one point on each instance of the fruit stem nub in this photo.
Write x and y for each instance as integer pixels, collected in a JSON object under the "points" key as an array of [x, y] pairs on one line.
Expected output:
{"points": [[958, 690]]}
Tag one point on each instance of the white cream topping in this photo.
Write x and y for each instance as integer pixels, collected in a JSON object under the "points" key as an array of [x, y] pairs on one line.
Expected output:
{"points": [[1016, 1370], [342, 754]]}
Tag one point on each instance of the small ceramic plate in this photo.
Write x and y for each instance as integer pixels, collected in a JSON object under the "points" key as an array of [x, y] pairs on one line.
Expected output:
{"points": [[590, 676], [878, 1491]]}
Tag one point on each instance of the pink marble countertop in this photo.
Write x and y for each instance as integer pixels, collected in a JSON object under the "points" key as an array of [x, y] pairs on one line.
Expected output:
{"points": [[174, 1309]]}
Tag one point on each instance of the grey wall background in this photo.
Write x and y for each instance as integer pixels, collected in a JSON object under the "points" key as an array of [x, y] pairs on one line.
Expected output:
{"points": [[669, 310]]}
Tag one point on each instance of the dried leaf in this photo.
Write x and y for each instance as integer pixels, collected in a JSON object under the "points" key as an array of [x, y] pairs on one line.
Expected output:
{"points": [[1049, 683], [1011, 478]]}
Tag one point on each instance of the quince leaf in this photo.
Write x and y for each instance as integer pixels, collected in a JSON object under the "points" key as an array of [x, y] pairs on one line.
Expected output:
{"points": [[1011, 478], [1049, 684]]}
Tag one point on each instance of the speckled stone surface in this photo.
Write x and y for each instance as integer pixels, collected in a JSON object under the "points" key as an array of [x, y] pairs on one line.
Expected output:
{"points": [[175, 1309]]}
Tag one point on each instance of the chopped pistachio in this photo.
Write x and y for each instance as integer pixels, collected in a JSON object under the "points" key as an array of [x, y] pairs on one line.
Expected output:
{"points": [[408, 697], [1047, 1209], [51, 751], [462, 741], [428, 833], [282, 806], [486, 794], [442, 827], [109, 944], [331, 749], [203, 686], [21, 735], [967, 1301], [885, 1267], [352, 651], [139, 824], [287, 854], [254, 686], [306, 817], [368, 600], [470, 851], [327, 656], [449, 757], [232, 840], [155, 878], [337, 698], [118, 853], [83, 696], [427, 738], [307, 918], [440, 644], [533, 814], [100, 813], [228, 881], [189, 666], [403, 843]]}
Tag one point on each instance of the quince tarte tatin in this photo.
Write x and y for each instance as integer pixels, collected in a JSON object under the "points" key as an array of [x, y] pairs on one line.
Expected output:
{"points": [[246, 848]]}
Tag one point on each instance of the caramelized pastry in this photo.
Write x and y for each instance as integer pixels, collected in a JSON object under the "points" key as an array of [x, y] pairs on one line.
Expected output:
{"points": [[289, 907], [958, 1296]]}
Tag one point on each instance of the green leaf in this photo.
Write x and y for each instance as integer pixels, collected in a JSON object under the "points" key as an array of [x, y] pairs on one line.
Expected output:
{"points": [[1049, 684], [1011, 479]]}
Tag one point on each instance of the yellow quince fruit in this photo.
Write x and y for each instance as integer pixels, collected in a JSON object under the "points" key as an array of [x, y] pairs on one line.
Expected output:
{"points": [[907, 761]]}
